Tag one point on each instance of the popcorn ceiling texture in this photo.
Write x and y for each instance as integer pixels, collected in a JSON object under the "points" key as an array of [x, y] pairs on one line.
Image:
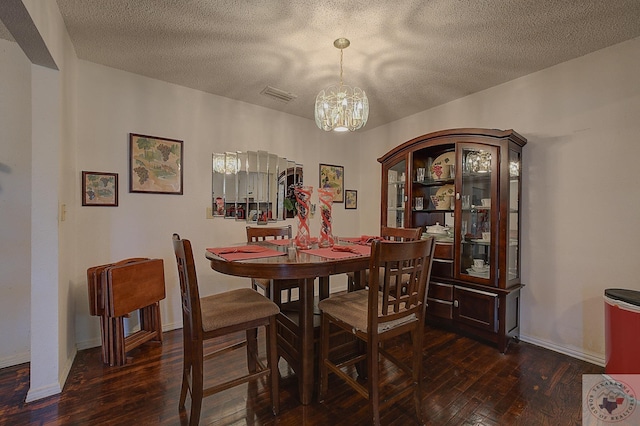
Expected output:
{"points": [[408, 56]]}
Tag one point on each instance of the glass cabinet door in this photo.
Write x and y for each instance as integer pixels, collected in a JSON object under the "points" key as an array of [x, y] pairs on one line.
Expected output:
{"points": [[478, 210], [513, 256], [396, 195]]}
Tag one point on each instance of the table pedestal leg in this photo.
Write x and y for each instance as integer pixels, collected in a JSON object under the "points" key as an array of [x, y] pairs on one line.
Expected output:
{"points": [[306, 379]]}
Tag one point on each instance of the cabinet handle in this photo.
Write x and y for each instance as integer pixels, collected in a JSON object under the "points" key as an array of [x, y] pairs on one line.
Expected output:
{"points": [[455, 304], [457, 195]]}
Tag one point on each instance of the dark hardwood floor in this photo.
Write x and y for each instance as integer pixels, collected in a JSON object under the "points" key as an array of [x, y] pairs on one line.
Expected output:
{"points": [[465, 383]]}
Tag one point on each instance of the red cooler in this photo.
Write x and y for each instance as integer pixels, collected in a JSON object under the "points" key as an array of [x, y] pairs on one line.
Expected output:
{"points": [[622, 331]]}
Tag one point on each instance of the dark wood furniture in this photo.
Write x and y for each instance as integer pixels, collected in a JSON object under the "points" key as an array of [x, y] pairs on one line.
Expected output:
{"points": [[296, 325], [375, 317], [217, 316], [116, 290], [470, 180], [390, 234], [265, 233]]}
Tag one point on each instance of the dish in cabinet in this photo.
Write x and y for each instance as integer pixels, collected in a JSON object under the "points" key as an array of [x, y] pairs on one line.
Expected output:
{"points": [[440, 167], [444, 196], [473, 273]]}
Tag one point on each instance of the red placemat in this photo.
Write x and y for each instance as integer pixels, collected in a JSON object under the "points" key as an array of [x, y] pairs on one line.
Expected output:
{"points": [[244, 252], [364, 239], [339, 252]]}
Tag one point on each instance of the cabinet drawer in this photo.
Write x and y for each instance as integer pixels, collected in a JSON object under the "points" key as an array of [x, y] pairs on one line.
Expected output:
{"points": [[440, 291], [439, 308], [442, 268], [443, 251], [477, 308]]}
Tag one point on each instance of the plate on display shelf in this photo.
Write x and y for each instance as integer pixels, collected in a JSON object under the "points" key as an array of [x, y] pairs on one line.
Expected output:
{"points": [[438, 171], [444, 195], [473, 273]]}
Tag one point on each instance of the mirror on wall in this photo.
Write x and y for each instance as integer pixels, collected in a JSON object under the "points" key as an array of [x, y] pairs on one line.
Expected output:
{"points": [[253, 185]]}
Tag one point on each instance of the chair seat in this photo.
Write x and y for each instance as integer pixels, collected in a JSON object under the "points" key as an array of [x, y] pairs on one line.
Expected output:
{"points": [[234, 307], [351, 308]]}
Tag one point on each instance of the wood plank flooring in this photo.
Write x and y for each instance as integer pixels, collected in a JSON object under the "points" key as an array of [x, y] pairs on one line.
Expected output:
{"points": [[465, 383]]}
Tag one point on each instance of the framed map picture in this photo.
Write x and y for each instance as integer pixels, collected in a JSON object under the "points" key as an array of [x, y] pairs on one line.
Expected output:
{"points": [[155, 165], [332, 177], [99, 189]]}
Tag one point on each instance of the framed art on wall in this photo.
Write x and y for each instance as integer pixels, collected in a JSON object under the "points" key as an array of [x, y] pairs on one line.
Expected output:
{"points": [[350, 199], [99, 189], [332, 177], [155, 164]]}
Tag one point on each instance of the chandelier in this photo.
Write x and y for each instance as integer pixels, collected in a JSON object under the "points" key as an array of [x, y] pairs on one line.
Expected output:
{"points": [[341, 108]]}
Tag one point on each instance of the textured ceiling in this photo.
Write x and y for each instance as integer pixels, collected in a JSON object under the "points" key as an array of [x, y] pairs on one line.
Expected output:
{"points": [[4, 33], [407, 55]]}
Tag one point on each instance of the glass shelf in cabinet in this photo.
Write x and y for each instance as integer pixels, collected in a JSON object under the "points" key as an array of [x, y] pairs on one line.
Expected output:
{"points": [[432, 210], [434, 182], [477, 241]]}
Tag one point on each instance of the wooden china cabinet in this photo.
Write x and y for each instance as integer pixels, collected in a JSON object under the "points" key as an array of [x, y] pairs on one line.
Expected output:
{"points": [[464, 187]]}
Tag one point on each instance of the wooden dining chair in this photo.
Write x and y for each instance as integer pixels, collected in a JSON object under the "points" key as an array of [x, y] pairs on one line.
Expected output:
{"points": [[220, 315], [264, 233], [375, 316], [389, 234]]}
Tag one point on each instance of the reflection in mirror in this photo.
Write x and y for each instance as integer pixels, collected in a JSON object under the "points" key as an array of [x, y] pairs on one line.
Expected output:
{"points": [[262, 186], [281, 213], [230, 180], [217, 185], [253, 186]]}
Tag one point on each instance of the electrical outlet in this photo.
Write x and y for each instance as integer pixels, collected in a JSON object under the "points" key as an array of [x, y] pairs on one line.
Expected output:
{"points": [[209, 212]]}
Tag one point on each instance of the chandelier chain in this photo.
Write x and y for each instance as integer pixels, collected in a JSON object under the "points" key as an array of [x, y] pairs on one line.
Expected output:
{"points": [[340, 67]]}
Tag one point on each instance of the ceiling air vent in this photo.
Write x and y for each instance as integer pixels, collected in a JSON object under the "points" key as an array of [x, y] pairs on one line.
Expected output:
{"points": [[278, 95]]}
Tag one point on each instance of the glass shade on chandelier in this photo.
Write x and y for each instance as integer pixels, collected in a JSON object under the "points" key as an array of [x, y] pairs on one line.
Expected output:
{"points": [[341, 108]]}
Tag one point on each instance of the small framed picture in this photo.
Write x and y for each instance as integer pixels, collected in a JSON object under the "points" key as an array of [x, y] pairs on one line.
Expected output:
{"points": [[155, 165], [99, 189], [350, 199], [332, 177]]}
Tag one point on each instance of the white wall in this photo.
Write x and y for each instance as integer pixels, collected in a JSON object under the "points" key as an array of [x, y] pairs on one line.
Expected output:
{"points": [[112, 104], [47, 179], [15, 204], [580, 118], [580, 221]]}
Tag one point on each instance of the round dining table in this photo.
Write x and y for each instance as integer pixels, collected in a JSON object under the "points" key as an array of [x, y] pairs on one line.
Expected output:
{"points": [[295, 341]]}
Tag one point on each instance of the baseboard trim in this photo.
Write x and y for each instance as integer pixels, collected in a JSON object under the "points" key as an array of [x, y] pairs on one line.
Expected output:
{"points": [[573, 352], [43, 392], [16, 359]]}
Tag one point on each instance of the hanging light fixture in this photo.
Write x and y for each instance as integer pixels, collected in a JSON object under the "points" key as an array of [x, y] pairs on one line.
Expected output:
{"points": [[341, 108]]}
